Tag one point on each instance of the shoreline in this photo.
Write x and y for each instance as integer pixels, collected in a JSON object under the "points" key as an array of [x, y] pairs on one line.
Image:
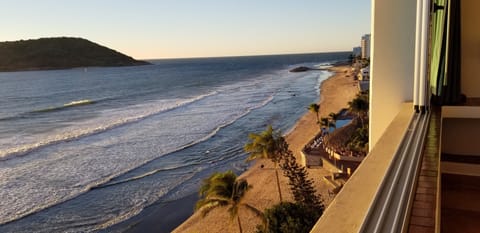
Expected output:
{"points": [[160, 217], [337, 88], [335, 92]]}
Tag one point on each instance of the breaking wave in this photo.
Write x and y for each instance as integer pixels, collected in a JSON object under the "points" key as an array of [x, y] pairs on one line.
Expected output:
{"points": [[83, 132]]}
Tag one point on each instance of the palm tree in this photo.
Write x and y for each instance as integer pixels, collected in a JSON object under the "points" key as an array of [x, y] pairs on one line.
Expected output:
{"points": [[315, 108], [267, 145], [224, 189], [333, 119], [326, 123], [359, 105]]}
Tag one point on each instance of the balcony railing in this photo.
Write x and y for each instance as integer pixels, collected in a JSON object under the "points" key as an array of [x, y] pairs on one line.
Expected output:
{"points": [[390, 209], [378, 195]]}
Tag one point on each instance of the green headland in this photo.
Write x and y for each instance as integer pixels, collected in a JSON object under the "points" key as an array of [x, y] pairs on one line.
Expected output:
{"points": [[59, 53]]}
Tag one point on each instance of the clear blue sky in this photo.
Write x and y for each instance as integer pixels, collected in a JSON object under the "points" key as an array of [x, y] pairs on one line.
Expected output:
{"points": [[193, 28]]}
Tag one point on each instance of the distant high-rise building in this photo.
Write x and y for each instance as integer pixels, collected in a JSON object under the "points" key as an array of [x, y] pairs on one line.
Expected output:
{"points": [[357, 51], [365, 45]]}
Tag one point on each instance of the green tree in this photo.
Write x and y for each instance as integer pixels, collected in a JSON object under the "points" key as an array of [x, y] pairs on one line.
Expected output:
{"points": [[287, 217], [359, 106], [224, 189], [326, 123], [333, 119], [302, 188], [301, 215], [358, 142], [265, 145], [315, 108]]}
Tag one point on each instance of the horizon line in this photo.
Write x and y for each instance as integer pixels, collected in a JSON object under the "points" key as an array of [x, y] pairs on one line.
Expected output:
{"points": [[234, 56]]}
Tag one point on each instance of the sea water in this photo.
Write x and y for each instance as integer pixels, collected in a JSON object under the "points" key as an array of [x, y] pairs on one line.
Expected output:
{"points": [[84, 149]]}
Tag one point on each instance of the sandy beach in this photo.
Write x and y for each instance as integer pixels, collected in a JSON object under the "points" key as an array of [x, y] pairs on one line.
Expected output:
{"points": [[335, 93]]}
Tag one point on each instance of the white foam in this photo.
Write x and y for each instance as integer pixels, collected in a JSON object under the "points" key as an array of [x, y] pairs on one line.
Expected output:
{"points": [[97, 125], [97, 150]]}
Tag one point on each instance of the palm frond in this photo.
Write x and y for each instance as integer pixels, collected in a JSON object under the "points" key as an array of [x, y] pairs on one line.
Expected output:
{"points": [[240, 187], [207, 205], [314, 108]]}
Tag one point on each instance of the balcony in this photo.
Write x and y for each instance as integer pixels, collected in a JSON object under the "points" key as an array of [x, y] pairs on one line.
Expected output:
{"points": [[421, 177]]}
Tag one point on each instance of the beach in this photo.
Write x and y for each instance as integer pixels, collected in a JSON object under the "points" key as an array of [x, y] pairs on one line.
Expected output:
{"points": [[335, 93], [130, 159]]}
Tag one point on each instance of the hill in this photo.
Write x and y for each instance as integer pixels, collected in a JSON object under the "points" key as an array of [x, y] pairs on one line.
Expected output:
{"points": [[59, 53]]}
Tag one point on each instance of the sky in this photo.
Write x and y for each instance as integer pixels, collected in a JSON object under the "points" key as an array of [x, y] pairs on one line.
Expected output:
{"points": [[148, 29]]}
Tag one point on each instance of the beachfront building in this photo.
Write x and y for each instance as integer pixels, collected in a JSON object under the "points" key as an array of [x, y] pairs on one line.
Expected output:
{"points": [[363, 86], [338, 156], [364, 74], [422, 173], [365, 46], [327, 150]]}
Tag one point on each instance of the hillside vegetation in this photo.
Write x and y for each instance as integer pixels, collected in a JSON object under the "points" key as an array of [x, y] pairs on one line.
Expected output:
{"points": [[59, 53]]}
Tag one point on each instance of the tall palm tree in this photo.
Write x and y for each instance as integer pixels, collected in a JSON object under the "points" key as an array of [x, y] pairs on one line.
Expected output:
{"points": [[267, 145], [315, 108], [224, 189]]}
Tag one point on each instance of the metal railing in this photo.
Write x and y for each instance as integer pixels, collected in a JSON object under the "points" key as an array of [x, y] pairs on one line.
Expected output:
{"points": [[390, 209]]}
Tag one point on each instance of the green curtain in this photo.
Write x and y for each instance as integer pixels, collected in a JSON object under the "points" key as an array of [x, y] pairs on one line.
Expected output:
{"points": [[445, 63], [437, 42]]}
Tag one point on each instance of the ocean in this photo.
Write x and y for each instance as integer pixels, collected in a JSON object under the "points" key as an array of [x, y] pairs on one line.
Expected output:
{"points": [[84, 149]]}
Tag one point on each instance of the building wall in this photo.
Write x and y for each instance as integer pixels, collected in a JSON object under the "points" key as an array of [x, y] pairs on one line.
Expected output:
{"points": [[392, 61], [460, 136], [470, 48]]}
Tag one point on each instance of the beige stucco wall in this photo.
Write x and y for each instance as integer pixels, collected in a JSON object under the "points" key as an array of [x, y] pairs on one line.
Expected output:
{"points": [[470, 48], [460, 130], [460, 136], [392, 61]]}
